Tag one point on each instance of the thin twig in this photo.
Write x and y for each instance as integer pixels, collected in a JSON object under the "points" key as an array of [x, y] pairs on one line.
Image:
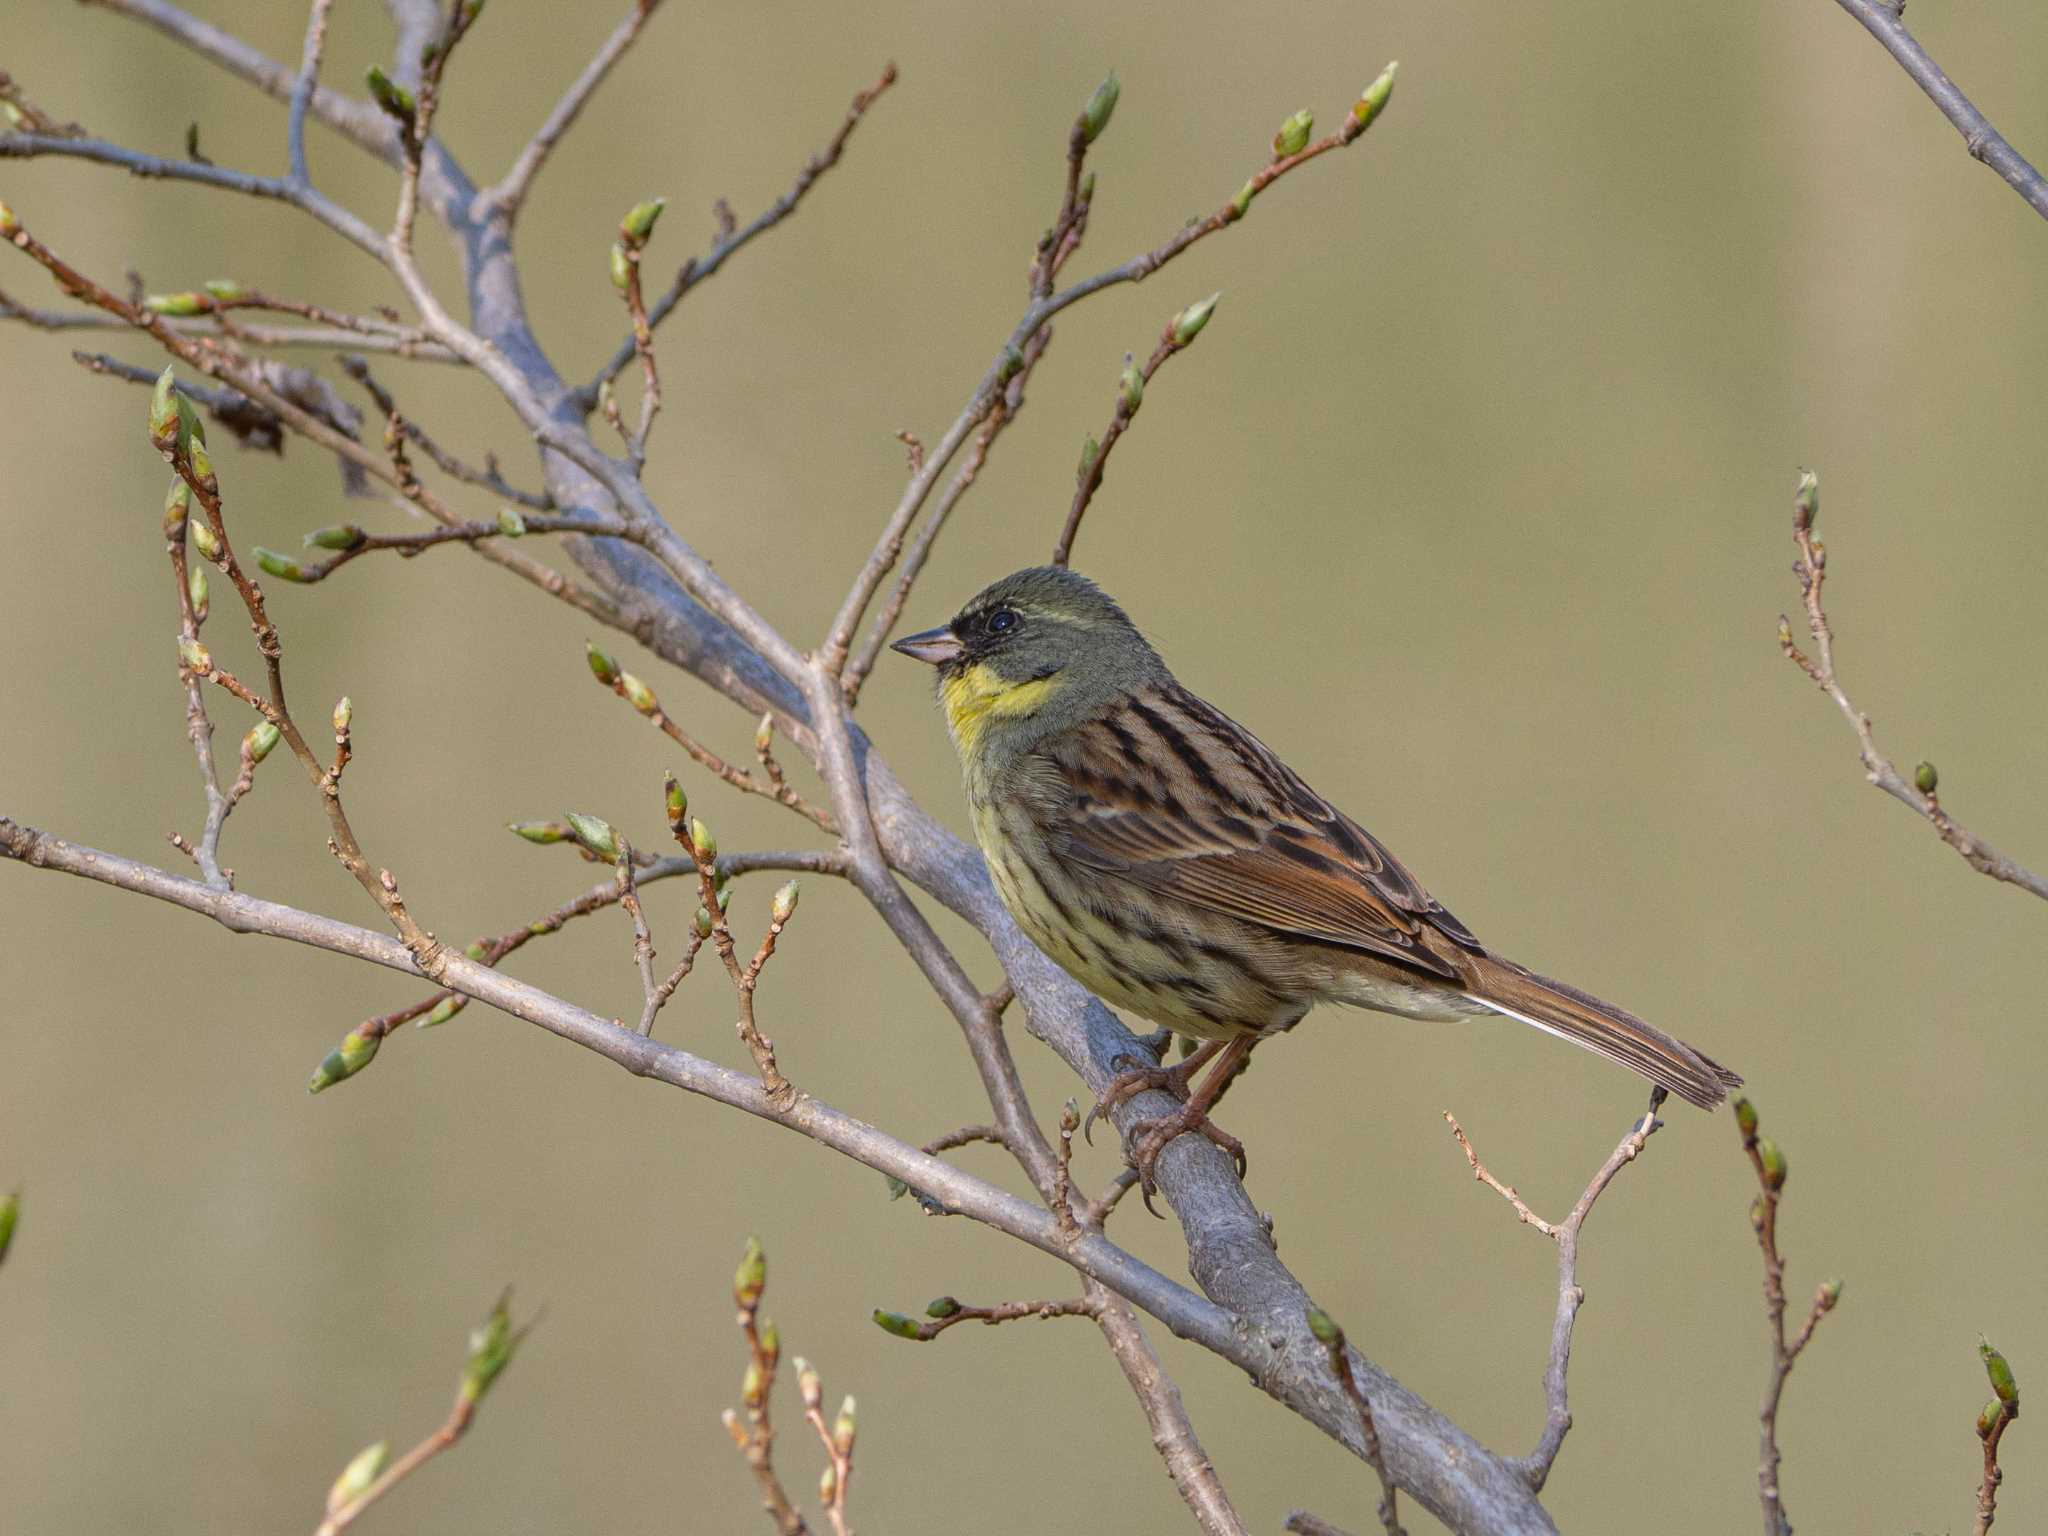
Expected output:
{"points": [[1919, 796], [302, 90], [945, 1312], [1331, 1337], [1992, 1424]]}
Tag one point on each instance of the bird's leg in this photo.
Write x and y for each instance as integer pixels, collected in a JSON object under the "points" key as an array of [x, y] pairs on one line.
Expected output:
{"points": [[1151, 1137], [1136, 1079]]}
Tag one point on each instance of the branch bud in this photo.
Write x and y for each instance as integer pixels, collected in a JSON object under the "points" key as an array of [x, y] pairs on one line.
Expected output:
{"points": [[1085, 194], [357, 1050], [201, 462], [177, 305], [195, 590], [1828, 1295], [703, 922], [751, 1278], [2002, 1382], [808, 1387], [1806, 501], [753, 1385], [638, 223], [1101, 106], [845, 1426], [1745, 1118], [1987, 1421], [542, 832], [674, 801], [1374, 99], [260, 742], [226, 289], [341, 536], [828, 1484], [942, 1307], [204, 539], [896, 1323], [1241, 204], [1926, 777], [770, 1338], [638, 694], [783, 908], [1131, 386], [511, 523], [491, 1348], [8, 222], [163, 411], [1187, 325], [594, 833], [1292, 138], [1324, 1329], [284, 567], [344, 712], [389, 95], [1090, 452], [1773, 1162], [602, 667], [702, 841], [620, 266], [10, 1208], [442, 1012], [177, 509], [356, 1477], [195, 656]]}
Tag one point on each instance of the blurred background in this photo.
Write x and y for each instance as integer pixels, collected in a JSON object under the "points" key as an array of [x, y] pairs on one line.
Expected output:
{"points": [[1474, 500]]}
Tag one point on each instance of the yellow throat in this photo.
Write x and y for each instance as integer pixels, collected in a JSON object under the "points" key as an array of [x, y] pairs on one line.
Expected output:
{"points": [[975, 695]]}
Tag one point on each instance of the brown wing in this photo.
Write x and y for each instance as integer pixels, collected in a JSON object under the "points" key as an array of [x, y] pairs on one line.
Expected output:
{"points": [[1172, 795]]}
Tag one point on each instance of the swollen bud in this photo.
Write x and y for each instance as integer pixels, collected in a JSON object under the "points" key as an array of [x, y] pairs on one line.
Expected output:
{"points": [[1085, 194], [770, 1339], [638, 694], [1374, 100], [177, 305], [10, 1208], [1131, 387], [542, 832], [260, 742], [674, 801], [284, 567], [2002, 1382], [638, 224], [204, 539], [389, 95], [1773, 1163], [594, 833], [1324, 1328], [195, 656], [845, 1426], [1243, 201], [1987, 1421], [201, 463], [808, 1387], [602, 667], [195, 589], [942, 1307], [442, 1012], [751, 1278], [1925, 778], [896, 1323], [226, 289], [491, 1348], [703, 922], [510, 523], [702, 841], [828, 1483], [783, 908], [344, 712], [621, 267], [356, 1051], [1292, 138], [1745, 1118], [1187, 325], [1095, 116], [1828, 1295], [177, 509], [356, 1477], [163, 411], [1806, 500], [1090, 452], [8, 222], [764, 736], [342, 536]]}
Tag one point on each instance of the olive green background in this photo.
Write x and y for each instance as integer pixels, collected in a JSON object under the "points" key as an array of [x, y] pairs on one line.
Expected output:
{"points": [[1473, 500]]}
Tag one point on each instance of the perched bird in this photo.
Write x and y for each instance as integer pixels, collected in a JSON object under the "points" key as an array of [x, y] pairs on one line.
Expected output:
{"points": [[1164, 856]]}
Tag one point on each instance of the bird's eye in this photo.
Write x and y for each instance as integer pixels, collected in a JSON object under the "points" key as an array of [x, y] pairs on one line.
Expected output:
{"points": [[1001, 620]]}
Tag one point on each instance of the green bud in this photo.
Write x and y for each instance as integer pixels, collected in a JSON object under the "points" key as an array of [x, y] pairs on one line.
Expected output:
{"points": [[1090, 451], [389, 95], [16, 118], [10, 1208], [1925, 778], [357, 1476], [828, 1483], [702, 840], [594, 834], [2002, 1382], [510, 523], [1375, 98], [343, 536], [441, 1012], [1756, 1213], [724, 899], [1745, 1118], [621, 267], [638, 694], [751, 1278], [1187, 325], [638, 224], [204, 539], [1011, 366], [896, 1323], [703, 922], [356, 1051], [1324, 1328], [1292, 138], [1987, 1421], [542, 832], [226, 289], [190, 424], [202, 465], [764, 735], [1086, 194], [1773, 1162], [163, 411], [8, 223], [491, 1348], [344, 712], [845, 1426], [753, 1385], [1806, 500], [674, 801], [1101, 106], [475, 951], [1829, 1294], [770, 1338], [195, 589], [602, 667], [284, 567], [1131, 386], [896, 1187], [783, 908], [944, 1306], [808, 1387], [178, 305], [1241, 204], [261, 741], [177, 509], [195, 656]]}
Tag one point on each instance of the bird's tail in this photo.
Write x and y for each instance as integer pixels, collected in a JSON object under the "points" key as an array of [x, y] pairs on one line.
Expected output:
{"points": [[1583, 1019]]}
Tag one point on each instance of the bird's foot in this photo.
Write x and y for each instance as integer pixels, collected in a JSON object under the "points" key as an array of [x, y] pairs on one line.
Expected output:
{"points": [[1139, 1079], [1149, 1138]]}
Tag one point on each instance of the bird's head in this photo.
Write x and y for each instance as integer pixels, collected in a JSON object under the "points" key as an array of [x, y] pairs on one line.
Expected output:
{"points": [[1030, 655]]}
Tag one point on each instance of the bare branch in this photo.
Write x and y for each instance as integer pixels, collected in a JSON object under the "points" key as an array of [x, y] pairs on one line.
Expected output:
{"points": [[1919, 796], [1992, 1424], [302, 90]]}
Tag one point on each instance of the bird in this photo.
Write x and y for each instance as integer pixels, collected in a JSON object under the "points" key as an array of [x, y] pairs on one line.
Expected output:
{"points": [[1173, 864]]}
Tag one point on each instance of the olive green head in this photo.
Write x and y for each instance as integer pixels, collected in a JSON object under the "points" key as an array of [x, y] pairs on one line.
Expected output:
{"points": [[1030, 655]]}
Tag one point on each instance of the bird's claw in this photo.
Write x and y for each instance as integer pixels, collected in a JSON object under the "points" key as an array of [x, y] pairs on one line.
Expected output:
{"points": [[1152, 1137], [1134, 1077]]}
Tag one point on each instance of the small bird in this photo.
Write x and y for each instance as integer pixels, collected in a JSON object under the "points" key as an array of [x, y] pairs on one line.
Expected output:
{"points": [[1169, 861]]}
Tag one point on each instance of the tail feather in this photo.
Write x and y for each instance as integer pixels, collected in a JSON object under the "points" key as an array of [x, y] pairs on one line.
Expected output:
{"points": [[1602, 1028]]}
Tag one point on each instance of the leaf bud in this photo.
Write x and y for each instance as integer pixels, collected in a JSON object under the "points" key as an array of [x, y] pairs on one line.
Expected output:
{"points": [[177, 305], [1187, 325], [1324, 1328], [1131, 387], [783, 907], [542, 832], [226, 289], [1241, 204], [638, 694], [1773, 1161], [1806, 501], [177, 509], [594, 833], [163, 411], [638, 223], [674, 801], [602, 667], [1373, 101], [356, 1477], [491, 1348], [896, 1323], [1828, 1295], [389, 95], [357, 1050], [260, 742], [1987, 1421], [620, 267], [1926, 777], [342, 536], [1292, 138], [828, 1483], [204, 539], [511, 523], [942, 1307], [442, 1012], [1101, 106], [1090, 452], [845, 1425], [195, 656], [2002, 1382], [10, 1208], [284, 567], [751, 1278], [703, 922], [344, 712], [703, 841], [195, 591], [808, 1387], [1745, 1118]]}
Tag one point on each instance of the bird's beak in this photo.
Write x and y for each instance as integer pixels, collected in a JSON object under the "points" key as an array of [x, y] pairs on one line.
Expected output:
{"points": [[937, 646]]}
